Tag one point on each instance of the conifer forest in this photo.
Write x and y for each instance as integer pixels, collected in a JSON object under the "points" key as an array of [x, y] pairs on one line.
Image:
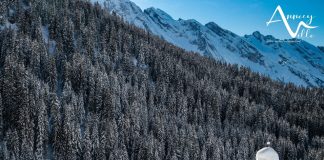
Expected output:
{"points": [[79, 83]]}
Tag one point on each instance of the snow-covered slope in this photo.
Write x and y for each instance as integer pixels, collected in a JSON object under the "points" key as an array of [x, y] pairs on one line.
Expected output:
{"points": [[296, 62], [299, 63]]}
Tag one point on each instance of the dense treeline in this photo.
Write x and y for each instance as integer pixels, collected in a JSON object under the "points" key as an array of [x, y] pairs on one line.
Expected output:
{"points": [[76, 82]]}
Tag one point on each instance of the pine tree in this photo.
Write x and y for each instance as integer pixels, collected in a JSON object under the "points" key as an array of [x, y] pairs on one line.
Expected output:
{"points": [[41, 131], [1, 119], [109, 90], [3, 149], [3, 12]]}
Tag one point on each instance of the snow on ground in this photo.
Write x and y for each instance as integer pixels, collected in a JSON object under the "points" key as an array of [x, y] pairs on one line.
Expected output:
{"points": [[301, 64], [9, 26]]}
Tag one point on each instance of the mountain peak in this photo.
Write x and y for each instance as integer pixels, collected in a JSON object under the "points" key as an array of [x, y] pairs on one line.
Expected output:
{"points": [[191, 23], [213, 26], [257, 35], [157, 12], [219, 30], [212, 40]]}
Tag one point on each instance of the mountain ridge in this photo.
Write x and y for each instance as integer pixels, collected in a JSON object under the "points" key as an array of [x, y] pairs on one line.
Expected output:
{"points": [[300, 63], [87, 85]]}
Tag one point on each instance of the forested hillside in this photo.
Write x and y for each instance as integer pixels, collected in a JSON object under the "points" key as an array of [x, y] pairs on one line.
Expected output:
{"points": [[76, 82]]}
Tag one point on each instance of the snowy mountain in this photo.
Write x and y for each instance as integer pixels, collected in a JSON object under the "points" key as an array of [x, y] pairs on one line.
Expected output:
{"points": [[300, 63]]}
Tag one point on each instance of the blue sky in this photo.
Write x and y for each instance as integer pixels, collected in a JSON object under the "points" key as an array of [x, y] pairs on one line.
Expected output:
{"points": [[245, 16]]}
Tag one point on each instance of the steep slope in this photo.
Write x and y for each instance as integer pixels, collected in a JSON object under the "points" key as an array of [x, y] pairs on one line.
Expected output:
{"points": [[296, 61], [109, 90], [300, 63]]}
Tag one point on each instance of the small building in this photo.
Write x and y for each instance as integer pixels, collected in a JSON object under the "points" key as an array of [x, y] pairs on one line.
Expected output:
{"points": [[267, 153]]}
